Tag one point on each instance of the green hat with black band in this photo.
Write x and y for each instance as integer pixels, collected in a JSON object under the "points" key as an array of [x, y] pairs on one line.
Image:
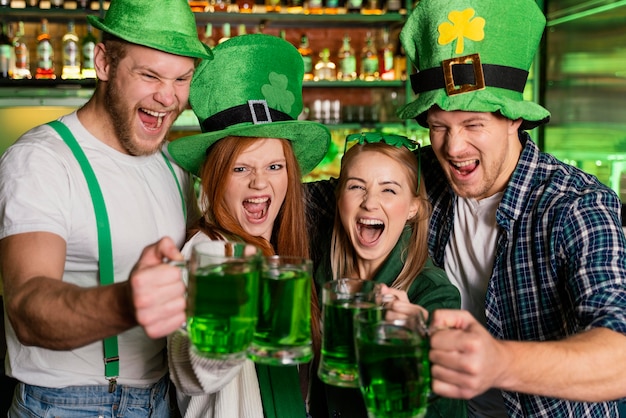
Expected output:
{"points": [[164, 25], [252, 88], [473, 55]]}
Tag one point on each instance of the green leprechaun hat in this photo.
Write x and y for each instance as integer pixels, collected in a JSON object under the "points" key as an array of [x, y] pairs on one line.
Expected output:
{"points": [[252, 88], [165, 25], [473, 55]]}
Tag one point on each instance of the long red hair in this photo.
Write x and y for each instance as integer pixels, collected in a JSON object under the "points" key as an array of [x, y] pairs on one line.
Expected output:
{"points": [[289, 236]]}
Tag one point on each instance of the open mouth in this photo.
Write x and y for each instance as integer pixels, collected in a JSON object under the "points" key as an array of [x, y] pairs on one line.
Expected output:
{"points": [[369, 230], [151, 120], [465, 167], [256, 208]]}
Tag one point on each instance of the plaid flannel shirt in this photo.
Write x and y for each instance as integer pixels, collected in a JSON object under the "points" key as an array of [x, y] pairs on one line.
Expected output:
{"points": [[560, 265]]}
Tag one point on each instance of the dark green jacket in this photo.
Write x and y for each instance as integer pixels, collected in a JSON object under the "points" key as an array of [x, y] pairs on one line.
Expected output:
{"points": [[431, 289]]}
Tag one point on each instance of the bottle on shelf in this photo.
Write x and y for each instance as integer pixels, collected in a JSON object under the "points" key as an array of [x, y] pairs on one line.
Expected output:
{"points": [[198, 6], [295, 6], [88, 46], [331, 7], [347, 61], [21, 68], [6, 52], [32, 3], [369, 60], [241, 29], [315, 7], [385, 61], [56, 4], [245, 6], [399, 61], [325, 69], [208, 36], [5, 3], [83, 4], [225, 33], [220, 6], [354, 6], [371, 7], [273, 6], [307, 57], [71, 54], [45, 54], [393, 6]]}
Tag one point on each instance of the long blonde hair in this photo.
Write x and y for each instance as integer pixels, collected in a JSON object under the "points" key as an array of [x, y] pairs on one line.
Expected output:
{"points": [[344, 257]]}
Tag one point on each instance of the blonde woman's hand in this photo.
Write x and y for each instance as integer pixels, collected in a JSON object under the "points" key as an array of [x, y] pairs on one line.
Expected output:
{"points": [[398, 305]]}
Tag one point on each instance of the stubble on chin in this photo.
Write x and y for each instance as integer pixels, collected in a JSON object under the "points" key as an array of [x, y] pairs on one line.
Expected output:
{"points": [[121, 117]]}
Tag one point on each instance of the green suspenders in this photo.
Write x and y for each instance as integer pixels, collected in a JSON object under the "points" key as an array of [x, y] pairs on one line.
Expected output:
{"points": [[105, 250]]}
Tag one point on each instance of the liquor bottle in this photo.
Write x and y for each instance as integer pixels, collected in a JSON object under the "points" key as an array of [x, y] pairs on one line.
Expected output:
{"points": [[45, 54], [347, 61], [220, 5], [208, 36], [385, 60], [295, 6], [307, 57], [331, 7], [56, 4], [325, 69], [241, 29], [399, 62], [273, 6], [354, 6], [245, 6], [198, 6], [371, 7], [316, 7], [6, 53], [88, 46], [225, 33], [22, 54], [71, 54], [393, 6], [369, 60]]}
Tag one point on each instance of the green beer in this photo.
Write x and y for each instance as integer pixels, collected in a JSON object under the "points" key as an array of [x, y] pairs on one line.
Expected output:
{"points": [[394, 377], [283, 331], [222, 308], [338, 352]]}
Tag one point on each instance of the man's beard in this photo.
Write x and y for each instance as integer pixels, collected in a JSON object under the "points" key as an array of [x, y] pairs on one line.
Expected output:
{"points": [[122, 119]]}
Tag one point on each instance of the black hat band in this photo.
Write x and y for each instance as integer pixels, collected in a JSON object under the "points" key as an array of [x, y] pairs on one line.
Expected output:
{"points": [[500, 76], [255, 111]]}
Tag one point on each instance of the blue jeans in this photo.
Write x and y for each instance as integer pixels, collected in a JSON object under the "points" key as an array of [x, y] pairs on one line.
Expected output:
{"points": [[91, 401]]}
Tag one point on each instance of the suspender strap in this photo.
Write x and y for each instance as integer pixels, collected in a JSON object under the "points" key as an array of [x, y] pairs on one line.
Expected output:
{"points": [[105, 250], [180, 189], [280, 391]]}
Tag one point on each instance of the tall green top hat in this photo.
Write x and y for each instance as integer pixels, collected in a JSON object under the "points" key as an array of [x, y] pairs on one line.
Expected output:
{"points": [[473, 55], [252, 88], [166, 25]]}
